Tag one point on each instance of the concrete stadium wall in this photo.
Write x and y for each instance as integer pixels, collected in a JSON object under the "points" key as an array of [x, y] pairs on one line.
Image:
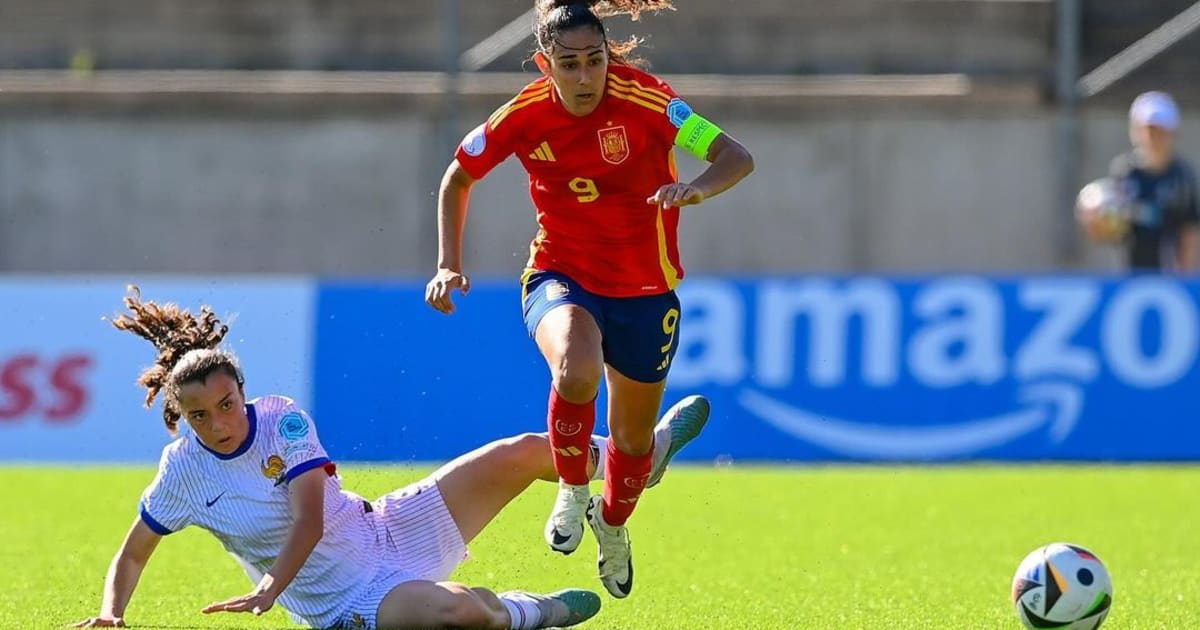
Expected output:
{"points": [[755, 36], [353, 193]]}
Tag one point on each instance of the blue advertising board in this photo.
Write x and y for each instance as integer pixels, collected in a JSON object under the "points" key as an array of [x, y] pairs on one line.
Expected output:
{"points": [[803, 369]]}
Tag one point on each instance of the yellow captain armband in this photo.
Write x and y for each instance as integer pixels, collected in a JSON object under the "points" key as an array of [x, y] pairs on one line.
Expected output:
{"points": [[696, 135]]}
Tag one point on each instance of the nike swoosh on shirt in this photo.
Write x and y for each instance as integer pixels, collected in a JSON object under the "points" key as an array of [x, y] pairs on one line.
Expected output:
{"points": [[215, 499]]}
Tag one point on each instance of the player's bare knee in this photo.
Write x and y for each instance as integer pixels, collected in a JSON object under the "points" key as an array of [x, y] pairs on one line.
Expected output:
{"points": [[577, 381], [527, 446], [632, 440], [521, 450]]}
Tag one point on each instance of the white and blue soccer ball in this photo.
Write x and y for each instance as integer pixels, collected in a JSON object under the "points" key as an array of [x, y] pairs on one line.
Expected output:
{"points": [[1105, 210], [1062, 586]]}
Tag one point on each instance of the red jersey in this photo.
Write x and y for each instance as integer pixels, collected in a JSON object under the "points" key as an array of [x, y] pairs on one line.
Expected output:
{"points": [[589, 177]]}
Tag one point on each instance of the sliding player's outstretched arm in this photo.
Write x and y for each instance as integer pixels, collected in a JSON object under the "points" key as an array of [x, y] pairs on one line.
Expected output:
{"points": [[123, 575]]}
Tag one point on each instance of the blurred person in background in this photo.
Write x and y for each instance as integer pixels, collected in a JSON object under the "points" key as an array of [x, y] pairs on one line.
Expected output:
{"points": [[1164, 224], [596, 135], [254, 474]]}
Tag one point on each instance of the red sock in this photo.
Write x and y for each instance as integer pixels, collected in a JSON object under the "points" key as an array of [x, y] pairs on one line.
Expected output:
{"points": [[625, 477], [570, 427]]}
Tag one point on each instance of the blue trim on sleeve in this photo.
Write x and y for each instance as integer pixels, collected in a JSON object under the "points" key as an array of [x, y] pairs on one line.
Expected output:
{"points": [[155, 526], [300, 469]]}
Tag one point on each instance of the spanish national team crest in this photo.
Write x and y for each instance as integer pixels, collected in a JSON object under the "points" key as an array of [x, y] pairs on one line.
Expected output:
{"points": [[614, 144]]}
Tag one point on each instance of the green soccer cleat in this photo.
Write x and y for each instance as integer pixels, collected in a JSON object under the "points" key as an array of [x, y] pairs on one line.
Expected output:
{"points": [[562, 608], [680, 425]]}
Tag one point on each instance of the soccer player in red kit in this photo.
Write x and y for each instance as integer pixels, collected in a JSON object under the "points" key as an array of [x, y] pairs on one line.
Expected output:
{"points": [[596, 135]]}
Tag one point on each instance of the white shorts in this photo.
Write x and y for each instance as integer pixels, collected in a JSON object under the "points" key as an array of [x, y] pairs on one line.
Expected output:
{"points": [[419, 541]]}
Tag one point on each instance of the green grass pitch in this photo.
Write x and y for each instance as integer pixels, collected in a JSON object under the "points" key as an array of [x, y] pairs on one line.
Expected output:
{"points": [[888, 548]]}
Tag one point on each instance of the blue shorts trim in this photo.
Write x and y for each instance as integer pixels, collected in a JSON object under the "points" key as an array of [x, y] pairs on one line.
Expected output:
{"points": [[640, 334]]}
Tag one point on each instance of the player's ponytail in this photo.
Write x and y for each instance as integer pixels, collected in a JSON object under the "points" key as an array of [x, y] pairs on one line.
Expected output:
{"points": [[186, 347], [558, 16], [566, 3], [605, 8]]}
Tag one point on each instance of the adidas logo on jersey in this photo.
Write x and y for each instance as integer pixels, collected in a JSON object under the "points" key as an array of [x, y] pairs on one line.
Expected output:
{"points": [[543, 153]]}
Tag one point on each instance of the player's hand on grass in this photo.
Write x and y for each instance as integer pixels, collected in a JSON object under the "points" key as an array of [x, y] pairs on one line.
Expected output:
{"points": [[101, 622], [676, 195], [254, 602], [437, 292]]}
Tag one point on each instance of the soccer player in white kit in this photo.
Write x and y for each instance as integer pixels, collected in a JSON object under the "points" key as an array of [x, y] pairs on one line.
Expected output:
{"points": [[254, 474]]}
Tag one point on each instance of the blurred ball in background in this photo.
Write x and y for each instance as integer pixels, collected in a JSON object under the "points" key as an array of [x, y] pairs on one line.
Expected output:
{"points": [[1104, 210]]}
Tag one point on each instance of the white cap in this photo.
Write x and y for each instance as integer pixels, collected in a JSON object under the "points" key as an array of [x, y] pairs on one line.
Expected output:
{"points": [[1157, 109]]}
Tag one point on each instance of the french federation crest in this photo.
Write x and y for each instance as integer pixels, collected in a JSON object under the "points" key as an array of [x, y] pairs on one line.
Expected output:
{"points": [[614, 144], [273, 468]]}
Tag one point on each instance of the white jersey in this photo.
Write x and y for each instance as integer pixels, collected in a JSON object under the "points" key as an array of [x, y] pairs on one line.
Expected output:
{"points": [[242, 498]]}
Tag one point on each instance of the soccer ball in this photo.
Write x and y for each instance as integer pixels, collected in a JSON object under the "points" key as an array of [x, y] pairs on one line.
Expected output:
{"points": [[1062, 586], [1104, 210]]}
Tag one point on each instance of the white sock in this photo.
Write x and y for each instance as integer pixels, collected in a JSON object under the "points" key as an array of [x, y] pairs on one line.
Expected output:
{"points": [[523, 611], [601, 447]]}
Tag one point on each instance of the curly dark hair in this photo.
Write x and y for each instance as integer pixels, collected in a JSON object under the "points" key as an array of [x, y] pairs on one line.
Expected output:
{"points": [[558, 16], [187, 349]]}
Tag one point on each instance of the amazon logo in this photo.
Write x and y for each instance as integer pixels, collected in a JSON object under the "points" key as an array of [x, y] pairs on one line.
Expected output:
{"points": [[1033, 347]]}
